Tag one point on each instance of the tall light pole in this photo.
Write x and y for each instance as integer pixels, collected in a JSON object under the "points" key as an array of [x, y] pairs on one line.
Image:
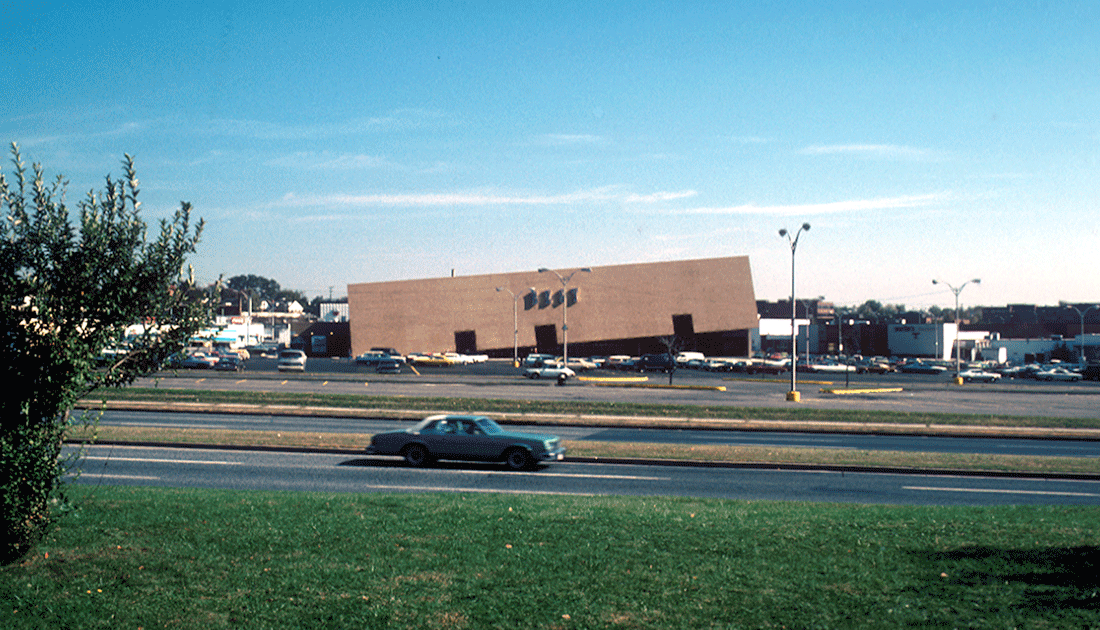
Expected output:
{"points": [[565, 310], [793, 395], [515, 321], [1082, 316], [957, 290]]}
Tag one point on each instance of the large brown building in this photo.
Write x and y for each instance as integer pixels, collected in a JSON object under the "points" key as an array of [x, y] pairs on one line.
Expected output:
{"points": [[708, 305]]}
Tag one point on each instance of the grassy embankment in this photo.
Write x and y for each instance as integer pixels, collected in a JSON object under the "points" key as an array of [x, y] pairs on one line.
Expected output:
{"points": [[616, 415], [144, 558]]}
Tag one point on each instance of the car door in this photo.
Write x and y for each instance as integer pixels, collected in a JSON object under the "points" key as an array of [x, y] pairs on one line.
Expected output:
{"points": [[463, 439]]}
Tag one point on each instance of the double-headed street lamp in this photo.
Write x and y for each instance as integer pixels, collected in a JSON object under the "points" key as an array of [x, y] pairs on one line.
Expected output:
{"points": [[957, 290], [515, 320], [1082, 314], [565, 310], [793, 395]]}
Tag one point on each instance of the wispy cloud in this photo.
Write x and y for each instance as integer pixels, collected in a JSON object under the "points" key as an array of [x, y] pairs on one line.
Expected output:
{"points": [[830, 207], [660, 196], [611, 193], [564, 139], [892, 151], [327, 161], [396, 120]]}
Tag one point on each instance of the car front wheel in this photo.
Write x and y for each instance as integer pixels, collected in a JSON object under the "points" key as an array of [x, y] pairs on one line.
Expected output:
{"points": [[416, 455], [518, 459]]}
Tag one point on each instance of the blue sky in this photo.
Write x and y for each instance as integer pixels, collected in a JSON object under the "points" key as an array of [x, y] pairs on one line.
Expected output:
{"points": [[336, 143]]}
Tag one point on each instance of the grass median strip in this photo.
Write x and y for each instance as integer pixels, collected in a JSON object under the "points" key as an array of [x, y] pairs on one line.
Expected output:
{"points": [[147, 557], [717, 453], [584, 408]]}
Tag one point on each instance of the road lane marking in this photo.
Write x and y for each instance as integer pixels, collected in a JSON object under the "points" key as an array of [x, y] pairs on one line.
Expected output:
{"points": [[514, 473], [579, 476], [98, 476], [475, 490], [1003, 491], [161, 461]]}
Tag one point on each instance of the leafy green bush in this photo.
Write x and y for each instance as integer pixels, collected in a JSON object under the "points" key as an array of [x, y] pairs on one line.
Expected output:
{"points": [[68, 294]]}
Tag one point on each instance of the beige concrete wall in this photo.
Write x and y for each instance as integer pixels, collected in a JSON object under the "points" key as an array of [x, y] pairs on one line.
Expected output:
{"points": [[613, 302]]}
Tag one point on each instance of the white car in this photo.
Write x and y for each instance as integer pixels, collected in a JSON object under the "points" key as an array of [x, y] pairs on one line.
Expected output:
{"points": [[970, 376], [1058, 374], [550, 371], [292, 360], [579, 363]]}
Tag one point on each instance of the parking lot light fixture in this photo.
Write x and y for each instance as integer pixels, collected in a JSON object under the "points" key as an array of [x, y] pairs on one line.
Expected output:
{"points": [[1082, 314], [793, 395], [515, 324], [565, 309], [957, 290]]}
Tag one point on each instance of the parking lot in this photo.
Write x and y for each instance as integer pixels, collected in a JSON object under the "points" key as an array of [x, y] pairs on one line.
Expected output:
{"points": [[500, 380]]}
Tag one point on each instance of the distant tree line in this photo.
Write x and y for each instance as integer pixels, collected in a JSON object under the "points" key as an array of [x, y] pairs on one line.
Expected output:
{"points": [[261, 289], [878, 313]]}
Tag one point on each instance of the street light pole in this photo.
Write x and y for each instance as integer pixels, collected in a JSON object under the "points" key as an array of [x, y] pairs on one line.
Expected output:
{"points": [[1082, 314], [957, 290], [793, 395], [564, 310], [515, 321]]}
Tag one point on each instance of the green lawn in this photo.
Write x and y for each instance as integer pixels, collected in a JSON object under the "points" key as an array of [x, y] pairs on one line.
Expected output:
{"points": [[157, 558]]}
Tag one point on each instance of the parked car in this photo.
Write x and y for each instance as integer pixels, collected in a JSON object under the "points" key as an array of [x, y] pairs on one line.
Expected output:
{"points": [[199, 361], [434, 359], [550, 371], [370, 359], [389, 365], [294, 360], [768, 366], [470, 438], [830, 367], [619, 362], [874, 366], [1058, 374], [970, 376], [685, 357], [917, 367], [720, 365], [230, 363], [579, 364], [389, 352], [536, 360], [658, 362], [1091, 372]]}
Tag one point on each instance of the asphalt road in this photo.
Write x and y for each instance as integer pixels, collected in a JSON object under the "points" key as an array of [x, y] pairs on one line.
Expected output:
{"points": [[317, 472], [351, 473], [780, 439]]}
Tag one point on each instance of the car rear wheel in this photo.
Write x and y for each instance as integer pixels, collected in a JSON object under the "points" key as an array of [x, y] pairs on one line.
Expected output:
{"points": [[518, 459], [416, 455]]}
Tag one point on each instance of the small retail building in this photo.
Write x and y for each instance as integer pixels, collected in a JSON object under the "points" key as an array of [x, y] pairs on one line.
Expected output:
{"points": [[707, 305]]}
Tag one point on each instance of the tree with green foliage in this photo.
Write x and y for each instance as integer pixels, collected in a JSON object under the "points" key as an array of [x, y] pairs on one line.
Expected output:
{"points": [[88, 302], [258, 287], [261, 288]]}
